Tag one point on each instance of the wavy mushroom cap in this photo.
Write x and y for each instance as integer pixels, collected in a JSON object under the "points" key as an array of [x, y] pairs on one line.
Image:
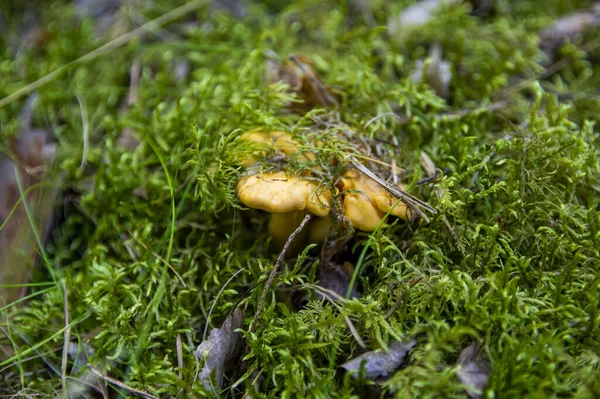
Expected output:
{"points": [[278, 193], [366, 202], [278, 141]]}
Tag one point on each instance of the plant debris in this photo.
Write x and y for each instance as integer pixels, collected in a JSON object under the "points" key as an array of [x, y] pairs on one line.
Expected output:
{"points": [[32, 154], [159, 114], [474, 369], [336, 278], [379, 364], [220, 351]]}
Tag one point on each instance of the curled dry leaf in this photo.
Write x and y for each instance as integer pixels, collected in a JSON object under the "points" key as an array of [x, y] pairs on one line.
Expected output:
{"points": [[474, 369], [220, 350], [379, 364]]}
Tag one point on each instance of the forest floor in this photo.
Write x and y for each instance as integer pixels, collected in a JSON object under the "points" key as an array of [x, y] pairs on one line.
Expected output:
{"points": [[322, 199]]}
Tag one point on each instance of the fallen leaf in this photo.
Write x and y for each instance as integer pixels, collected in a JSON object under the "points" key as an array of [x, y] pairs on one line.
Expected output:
{"points": [[379, 364], [220, 350], [428, 164], [474, 369], [299, 74]]}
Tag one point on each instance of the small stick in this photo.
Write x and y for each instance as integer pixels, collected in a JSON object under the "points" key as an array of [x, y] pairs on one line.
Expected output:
{"points": [[179, 355], [134, 82], [278, 264], [67, 338], [395, 306], [120, 384]]}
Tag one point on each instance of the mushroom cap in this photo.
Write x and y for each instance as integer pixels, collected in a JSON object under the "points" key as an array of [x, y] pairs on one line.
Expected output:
{"points": [[278, 193], [281, 141], [366, 202], [276, 140]]}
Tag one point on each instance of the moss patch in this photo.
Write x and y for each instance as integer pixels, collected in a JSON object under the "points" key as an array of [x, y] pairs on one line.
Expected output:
{"points": [[152, 232]]}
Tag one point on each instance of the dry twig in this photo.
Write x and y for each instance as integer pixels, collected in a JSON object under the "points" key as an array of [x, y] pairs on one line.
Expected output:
{"points": [[276, 268], [120, 384]]}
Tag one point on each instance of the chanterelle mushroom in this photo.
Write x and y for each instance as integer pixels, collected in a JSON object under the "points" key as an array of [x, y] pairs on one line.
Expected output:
{"points": [[365, 202], [281, 142], [278, 193], [287, 198]]}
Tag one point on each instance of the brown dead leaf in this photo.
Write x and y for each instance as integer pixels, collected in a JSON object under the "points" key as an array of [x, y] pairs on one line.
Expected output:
{"points": [[298, 72], [336, 278]]}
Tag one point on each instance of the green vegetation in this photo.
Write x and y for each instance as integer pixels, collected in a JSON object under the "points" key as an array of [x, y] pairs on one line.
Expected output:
{"points": [[152, 232]]}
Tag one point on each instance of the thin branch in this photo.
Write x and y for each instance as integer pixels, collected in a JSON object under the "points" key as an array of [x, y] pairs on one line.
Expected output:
{"points": [[120, 384], [67, 338], [86, 129], [179, 348], [134, 82], [278, 264]]}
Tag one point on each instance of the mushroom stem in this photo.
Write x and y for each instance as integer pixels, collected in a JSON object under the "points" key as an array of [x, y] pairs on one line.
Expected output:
{"points": [[283, 225]]}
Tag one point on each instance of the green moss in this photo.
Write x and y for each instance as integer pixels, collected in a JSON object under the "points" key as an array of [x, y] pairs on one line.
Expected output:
{"points": [[519, 190]]}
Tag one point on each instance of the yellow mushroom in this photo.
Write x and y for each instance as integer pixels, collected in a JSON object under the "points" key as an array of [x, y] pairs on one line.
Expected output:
{"points": [[278, 193], [366, 202], [287, 198], [278, 141]]}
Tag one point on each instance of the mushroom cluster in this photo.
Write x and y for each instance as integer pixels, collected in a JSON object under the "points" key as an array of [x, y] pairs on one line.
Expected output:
{"points": [[288, 198]]}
